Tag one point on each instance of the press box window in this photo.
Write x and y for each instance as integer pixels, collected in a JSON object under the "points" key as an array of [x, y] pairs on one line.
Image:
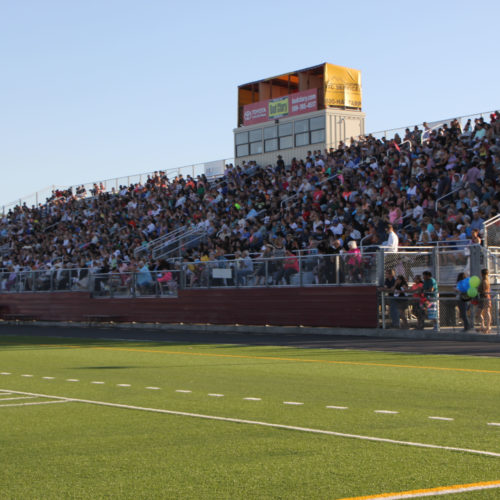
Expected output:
{"points": [[317, 127], [242, 138], [242, 150], [255, 137], [301, 126], [285, 129], [317, 136], [270, 132], [255, 148], [286, 142], [302, 139], [317, 123], [285, 132], [271, 145]]}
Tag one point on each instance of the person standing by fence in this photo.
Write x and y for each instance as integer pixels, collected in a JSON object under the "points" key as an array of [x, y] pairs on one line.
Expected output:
{"points": [[418, 301], [484, 312], [400, 289], [431, 294], [389, 284], [463, 303]]}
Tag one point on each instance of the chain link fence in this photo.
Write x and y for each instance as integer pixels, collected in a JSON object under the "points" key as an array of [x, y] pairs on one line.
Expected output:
{"points": [[409, 264], [492, 232]]}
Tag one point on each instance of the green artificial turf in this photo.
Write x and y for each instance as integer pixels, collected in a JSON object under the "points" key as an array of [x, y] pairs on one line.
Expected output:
{"points": [[80, 450]]}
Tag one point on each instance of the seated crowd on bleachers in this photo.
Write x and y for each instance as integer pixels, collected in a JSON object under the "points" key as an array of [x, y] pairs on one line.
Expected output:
{"points": [[330, 202]]}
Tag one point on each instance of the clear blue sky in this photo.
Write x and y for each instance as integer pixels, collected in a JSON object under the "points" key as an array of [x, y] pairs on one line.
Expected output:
{"points": [[95, 89]]}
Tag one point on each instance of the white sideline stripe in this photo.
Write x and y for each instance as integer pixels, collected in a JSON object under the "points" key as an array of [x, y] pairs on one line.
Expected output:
{"points": [[338, 407], [96, 382], [182, 390], [26, 375], [153, 388], [38, 403], [253, 399], [49, 378], [292, 403], [388, 412], [123, 385], [442, 418], [495, 423], [263, 424], [72, 380], [2, 393], [17, 397], [5, 373], [216, 395]]}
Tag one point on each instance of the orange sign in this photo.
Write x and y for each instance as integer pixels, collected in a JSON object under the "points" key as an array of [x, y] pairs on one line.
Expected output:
{"points": [[342, 86]]}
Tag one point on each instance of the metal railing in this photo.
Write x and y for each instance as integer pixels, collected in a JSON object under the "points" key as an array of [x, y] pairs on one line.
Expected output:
{"points": [[445, 196], [436, 124], [112, 284], [292, 270], [299, 270], [148, 247], [492, 231], [294, 197], [179, 243], [114, 184]]}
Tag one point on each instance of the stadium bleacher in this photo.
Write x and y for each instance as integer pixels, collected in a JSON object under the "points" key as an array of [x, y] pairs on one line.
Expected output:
{"points": [[435, 186]]}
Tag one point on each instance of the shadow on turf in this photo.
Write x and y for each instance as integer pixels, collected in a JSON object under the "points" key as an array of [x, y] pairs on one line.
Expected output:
{"points": [[104, 367]]}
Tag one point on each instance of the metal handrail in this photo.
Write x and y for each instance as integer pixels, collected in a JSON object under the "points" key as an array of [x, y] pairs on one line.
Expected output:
{"points": [[297, 195], [164, 249], [446, 120], [495, 220], [492, 220], [157, 241], [193, 170], [445, 196]]}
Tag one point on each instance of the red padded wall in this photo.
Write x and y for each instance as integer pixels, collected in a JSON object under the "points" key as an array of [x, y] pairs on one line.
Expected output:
{"points": [[316, 306]]}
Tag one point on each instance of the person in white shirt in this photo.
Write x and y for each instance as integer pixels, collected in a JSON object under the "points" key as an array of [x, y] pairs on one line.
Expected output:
{"points": [[392, 241]]}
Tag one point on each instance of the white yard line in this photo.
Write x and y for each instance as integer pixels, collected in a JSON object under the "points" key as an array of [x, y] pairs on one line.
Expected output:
{"points": [[294, 403], [5, 373], [388, 412], [96, 382], [48, 378], [72, 380], [17, 397], [153, 388], [253, 399], [264, 424], [446, 419], [183, 391], [37, 403], [26, 375], [216, 395], [123, 385], [338, 407]]}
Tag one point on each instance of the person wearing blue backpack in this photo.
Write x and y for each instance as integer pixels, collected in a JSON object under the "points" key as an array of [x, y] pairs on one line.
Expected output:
{"points": [[463, 300]]}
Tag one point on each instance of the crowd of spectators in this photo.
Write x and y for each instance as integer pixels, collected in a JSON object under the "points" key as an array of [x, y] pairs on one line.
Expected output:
{"points": [[428, 185]]}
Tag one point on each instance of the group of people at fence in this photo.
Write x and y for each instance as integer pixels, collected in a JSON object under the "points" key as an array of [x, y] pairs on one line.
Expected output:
{"points": [[422, 301]]}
